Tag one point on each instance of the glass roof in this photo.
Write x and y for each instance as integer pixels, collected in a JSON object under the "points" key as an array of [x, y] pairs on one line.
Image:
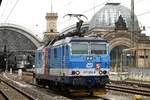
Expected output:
{"points": [[108, 15]]}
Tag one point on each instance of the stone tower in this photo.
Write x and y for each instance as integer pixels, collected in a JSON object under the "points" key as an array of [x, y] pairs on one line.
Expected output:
{"points": [[51, 30]]}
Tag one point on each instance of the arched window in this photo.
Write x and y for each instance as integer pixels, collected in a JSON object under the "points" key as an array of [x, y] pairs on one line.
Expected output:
{"points": [[51, 30]]}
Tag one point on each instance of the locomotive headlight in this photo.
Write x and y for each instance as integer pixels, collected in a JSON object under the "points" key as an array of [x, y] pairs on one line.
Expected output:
{"points": [[104, 72], [100, 72], [77, 72]]}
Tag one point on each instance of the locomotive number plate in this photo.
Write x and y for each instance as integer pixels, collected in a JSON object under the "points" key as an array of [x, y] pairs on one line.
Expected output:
{"points": [[88, 72]]}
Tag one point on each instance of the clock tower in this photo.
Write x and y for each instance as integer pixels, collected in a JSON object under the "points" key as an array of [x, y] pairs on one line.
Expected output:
{"points": [[51, 30]]}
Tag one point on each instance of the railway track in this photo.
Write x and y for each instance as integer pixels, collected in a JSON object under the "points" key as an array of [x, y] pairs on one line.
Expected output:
{"points": [[36, 93], [107, 96], [76, 95], [10, 92], [99, 97], [130, 87], [132, 83], [3, 96]]}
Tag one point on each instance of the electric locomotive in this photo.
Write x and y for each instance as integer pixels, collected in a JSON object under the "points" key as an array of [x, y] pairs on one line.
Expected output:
{"points": [[73, 62]]}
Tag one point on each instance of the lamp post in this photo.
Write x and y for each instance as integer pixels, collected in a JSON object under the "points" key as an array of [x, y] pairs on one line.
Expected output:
{"points": [[6, 57], [6, 63], [132, 25]]}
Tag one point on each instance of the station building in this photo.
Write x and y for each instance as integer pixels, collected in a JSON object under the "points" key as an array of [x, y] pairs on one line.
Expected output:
{"points": [[16, 41], [113, 22]]}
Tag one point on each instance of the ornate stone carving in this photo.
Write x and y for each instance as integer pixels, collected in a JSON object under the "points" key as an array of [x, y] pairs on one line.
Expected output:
{"points": [[120, 24]]}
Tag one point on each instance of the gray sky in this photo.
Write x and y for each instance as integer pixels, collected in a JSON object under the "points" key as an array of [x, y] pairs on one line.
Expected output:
{"points": [[31, 13]]}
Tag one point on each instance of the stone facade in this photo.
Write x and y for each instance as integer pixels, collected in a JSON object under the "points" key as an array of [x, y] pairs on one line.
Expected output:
{"points": [[16, 40], [51, 30]]}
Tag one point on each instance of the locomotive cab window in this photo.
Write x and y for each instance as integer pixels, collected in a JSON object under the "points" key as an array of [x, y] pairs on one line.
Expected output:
{"points": [[98, 48], [79, 48]]}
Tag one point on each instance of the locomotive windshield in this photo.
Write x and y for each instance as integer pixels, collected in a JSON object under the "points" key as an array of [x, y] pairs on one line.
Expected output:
{"points": [[80, 48], [88, 48], [98, 48]]}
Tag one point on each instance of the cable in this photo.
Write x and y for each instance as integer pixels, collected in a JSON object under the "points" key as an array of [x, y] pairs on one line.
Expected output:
{"points": [[63, 22], [95, 7], [143, 13], [138, 1], [86, 11], [11, 10], [4, 10], [68, 3], [147, 26], [0, 2]]}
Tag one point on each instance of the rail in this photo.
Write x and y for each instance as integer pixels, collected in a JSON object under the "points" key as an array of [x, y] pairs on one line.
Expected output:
{"points": [[6, 87], [3, 96], [130, 87], [132, 83]]}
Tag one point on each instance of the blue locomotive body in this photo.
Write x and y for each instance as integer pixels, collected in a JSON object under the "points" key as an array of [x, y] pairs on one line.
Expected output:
{"points": [[75, 61]]}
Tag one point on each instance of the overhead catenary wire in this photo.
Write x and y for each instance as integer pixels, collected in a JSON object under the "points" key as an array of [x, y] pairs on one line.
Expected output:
{"points": [[147, 12], [5, 7], [138, 1], [86, 11], [11, 11], [93, 8], [67, 4]]}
